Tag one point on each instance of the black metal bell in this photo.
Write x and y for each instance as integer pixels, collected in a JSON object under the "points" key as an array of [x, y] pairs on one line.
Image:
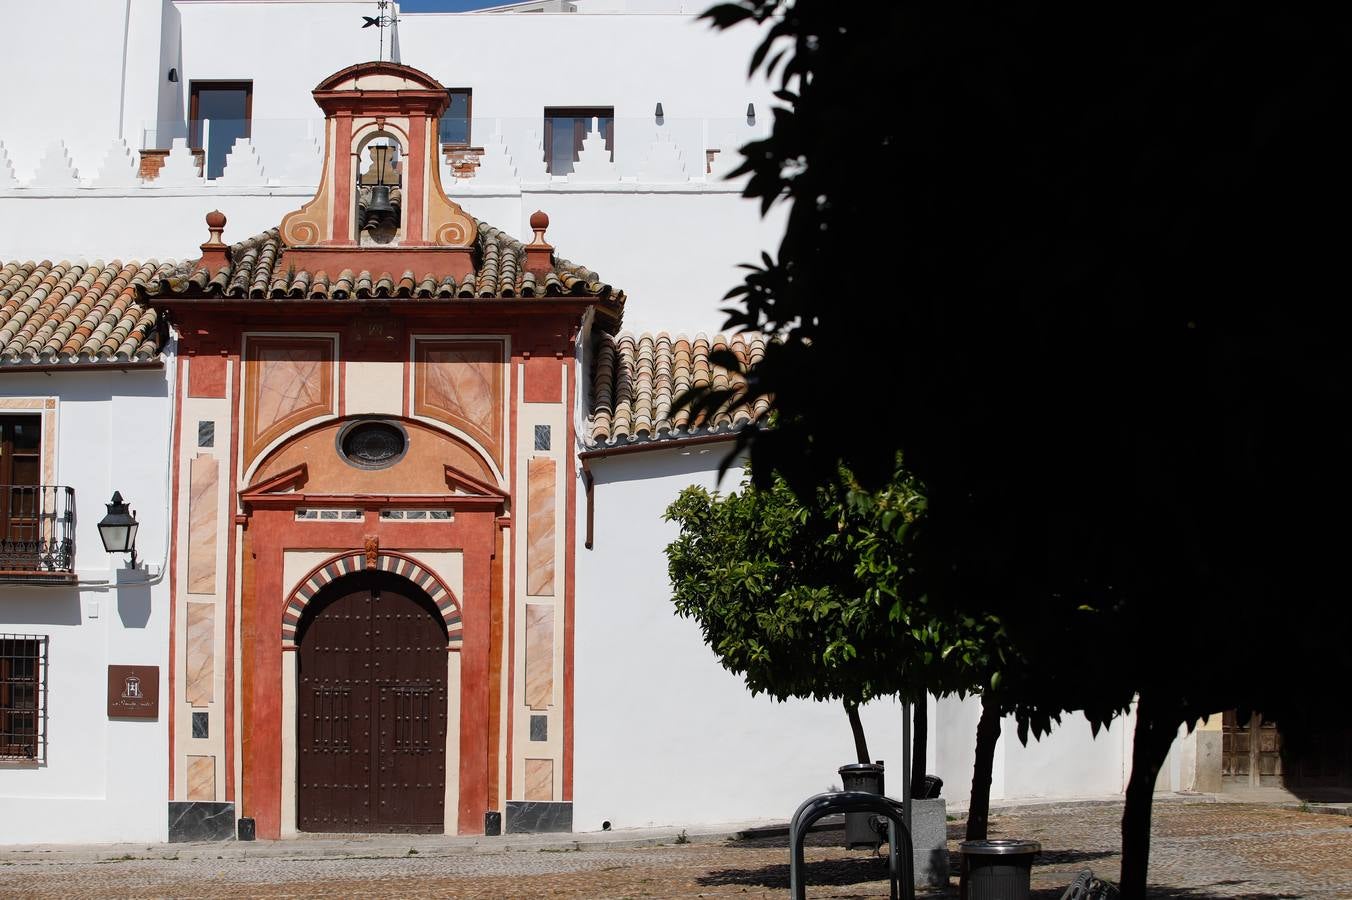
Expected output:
{"points": [[379, 210]]}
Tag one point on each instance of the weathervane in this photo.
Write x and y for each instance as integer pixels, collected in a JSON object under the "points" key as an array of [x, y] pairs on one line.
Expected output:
{"points": [[381, 21]]}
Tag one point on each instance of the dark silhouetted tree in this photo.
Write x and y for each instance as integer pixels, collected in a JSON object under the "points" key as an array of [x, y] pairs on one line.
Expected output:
{"points": [[1082, 265]]}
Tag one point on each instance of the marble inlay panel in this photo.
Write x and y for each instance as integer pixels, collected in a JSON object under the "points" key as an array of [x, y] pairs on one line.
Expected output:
{"points": [[49, 447], [539, 728], [202, 820], [539, 779], [201, 778], [200, 725], [532, 816], [200, 655], [460, 383], [206, 433], [539, 655], [202, 506], [289, 380], [540, 527]]}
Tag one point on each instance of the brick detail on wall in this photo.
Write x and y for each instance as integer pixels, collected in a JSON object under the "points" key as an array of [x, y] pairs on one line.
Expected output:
{"points": [[464, 161], [153, 160]]}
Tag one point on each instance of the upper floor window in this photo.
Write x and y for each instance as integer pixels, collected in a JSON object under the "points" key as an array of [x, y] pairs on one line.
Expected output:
{"points": [[23, 689], [455, 130], [36, 520], [218, 113], [565, 129]]}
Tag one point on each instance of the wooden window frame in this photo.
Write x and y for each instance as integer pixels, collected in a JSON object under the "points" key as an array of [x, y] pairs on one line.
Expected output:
{"points": [[194, 121], [579, 114], [469, 121]]}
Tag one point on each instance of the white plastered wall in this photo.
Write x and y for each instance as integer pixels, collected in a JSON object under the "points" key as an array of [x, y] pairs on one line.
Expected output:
{"points": [[1070, 762], [103, 779], [664, 734]]}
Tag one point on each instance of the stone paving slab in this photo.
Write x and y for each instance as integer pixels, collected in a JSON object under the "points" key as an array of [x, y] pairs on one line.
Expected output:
{"points": [[1200, 850]]}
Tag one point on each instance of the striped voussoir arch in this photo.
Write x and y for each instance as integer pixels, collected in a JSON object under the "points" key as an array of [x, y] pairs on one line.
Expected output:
{"points": [[396, 564]]}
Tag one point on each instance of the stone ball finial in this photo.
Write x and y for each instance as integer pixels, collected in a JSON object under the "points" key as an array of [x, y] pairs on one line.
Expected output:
{"points": [[215, 255], [539, 221]]}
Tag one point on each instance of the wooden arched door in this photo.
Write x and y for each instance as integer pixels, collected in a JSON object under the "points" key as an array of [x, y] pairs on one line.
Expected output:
{"points": [[371, 709]]}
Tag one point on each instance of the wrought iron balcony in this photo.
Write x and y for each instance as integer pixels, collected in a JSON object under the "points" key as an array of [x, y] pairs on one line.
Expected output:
{"points": [[37, 532]]}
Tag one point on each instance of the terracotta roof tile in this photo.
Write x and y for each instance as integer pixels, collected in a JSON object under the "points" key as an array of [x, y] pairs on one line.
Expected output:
{"points": [[259, 270], [636, 381], [67, 312]]}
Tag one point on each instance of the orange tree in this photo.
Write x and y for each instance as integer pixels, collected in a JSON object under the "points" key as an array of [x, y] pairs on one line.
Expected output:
{"points": [[815, 600]]}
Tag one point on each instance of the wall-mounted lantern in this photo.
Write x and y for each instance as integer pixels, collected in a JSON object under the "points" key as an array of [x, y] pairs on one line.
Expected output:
{"points": [[657, 113], [751, 114], [118, 528]]}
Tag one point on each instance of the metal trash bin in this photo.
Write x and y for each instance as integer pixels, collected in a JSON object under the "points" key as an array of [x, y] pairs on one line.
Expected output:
{"points": [[997, 870], [859, 830], [930, 788]]}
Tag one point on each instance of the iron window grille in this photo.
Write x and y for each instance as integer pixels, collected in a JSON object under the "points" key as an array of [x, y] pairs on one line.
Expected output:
{"points": [[23, 697]]}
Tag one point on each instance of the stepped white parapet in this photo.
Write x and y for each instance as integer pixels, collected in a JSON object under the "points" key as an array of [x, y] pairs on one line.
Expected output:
{"points": [[243, 168], [530, 162], [727, 159], [664, 163], [495, 163], [180, 167], [594, 165], [306, 162], [7, 179], [56, 168], [119, 168]]}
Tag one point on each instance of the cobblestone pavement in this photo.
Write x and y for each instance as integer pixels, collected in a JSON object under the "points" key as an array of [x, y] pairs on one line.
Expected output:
{"points": [[1200, 850]]}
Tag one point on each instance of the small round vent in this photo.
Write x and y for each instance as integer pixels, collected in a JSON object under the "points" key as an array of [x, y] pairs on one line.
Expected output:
{"points": [[372, 445]]}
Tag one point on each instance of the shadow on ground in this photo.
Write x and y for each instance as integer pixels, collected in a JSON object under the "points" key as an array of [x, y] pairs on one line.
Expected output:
{"points": [[1158, 890], [829, 872], [1061, 857]]}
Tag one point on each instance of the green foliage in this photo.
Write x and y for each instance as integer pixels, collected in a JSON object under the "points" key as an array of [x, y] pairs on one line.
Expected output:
{"points": [[812, 601]]}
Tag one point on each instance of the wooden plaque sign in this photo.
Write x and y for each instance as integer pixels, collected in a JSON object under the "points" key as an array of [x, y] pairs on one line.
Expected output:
{"points": [[134, 692]]}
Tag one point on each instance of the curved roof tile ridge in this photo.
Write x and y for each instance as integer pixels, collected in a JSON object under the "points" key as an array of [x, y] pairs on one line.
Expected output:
{"points": [[637, 379], [79, 312]]}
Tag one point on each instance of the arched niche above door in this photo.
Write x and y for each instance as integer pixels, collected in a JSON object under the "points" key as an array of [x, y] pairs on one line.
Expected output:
{"points": [[333, 467]]}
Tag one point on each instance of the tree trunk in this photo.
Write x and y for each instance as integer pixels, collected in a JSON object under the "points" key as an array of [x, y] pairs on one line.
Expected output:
{"points": [[856, 726], [1155, 732], [919, 741], [987, 734]]}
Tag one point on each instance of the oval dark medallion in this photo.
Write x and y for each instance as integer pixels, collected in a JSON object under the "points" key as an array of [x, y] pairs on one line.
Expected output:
{"points": [[372, 445]]}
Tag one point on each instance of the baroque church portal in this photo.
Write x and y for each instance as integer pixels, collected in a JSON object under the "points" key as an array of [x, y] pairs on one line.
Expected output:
{"points": [[374, 500]]}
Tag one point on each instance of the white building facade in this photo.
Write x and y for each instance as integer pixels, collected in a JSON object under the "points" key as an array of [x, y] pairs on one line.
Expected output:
{"points": [[620, 120]]}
